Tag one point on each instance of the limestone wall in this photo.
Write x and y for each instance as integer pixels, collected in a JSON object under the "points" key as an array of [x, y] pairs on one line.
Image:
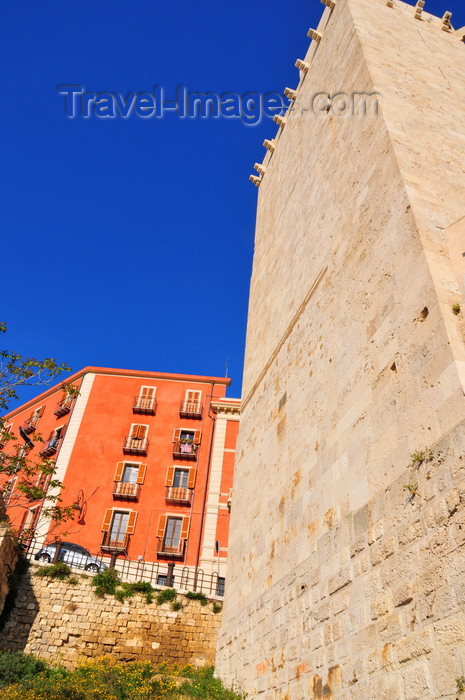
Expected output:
{"points": [[65, 623], [354, 361]]}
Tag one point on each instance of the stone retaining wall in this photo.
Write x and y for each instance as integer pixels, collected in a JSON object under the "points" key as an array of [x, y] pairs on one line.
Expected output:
{"points": [[68, 623], [8, 559]]}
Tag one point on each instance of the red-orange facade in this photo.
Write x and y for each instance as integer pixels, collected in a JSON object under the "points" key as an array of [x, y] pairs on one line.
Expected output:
{"points": [[147, 458]]}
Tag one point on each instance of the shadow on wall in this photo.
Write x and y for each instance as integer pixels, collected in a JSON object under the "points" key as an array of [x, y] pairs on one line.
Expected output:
{"points": [[15, 629]]}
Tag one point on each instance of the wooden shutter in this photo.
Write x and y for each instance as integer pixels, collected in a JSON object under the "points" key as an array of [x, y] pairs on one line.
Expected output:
{"points": [[139, 431], [177, 435], [185, 527], [147, 392], [41, 412], [141, 474], [197, 437], [191, 478], [131, 522], [161, 525], [170, 476], [119, 471], [107, 520]]}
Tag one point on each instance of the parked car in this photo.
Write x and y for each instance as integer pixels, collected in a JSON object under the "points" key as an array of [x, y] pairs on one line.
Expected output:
{"points": [[73, 555]]}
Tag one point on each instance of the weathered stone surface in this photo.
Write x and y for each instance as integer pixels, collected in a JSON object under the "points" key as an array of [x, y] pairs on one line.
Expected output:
{"points": [[358, 260], [39, 624]]}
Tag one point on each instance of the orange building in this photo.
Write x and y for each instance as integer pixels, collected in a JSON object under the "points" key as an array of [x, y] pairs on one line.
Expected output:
{"points": [[148, 460]]}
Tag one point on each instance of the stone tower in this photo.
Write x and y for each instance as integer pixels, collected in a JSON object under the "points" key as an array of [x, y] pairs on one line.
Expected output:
{"points": [[347, 551]]}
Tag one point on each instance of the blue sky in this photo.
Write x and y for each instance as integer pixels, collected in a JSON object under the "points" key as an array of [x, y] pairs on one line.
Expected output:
{"points": [[130, 241]]}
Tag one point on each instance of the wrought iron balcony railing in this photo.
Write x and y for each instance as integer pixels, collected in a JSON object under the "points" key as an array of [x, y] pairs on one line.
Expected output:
{"points": [[135, 445], [173, 550], [184, 450], [144, 405], [178, 494], [125, 491], [114, 544], [190, 409], [30, 425], [51, 446], [64, 407]]}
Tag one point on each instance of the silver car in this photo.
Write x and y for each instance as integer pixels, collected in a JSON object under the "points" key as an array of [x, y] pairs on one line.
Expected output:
{"points": [[73, 555]]}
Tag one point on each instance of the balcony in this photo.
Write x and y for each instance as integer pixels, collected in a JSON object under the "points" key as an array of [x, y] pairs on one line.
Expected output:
{"points": [[124, 491], [63, 407], [135, 445], [184, 450], [51, 446], [143, 405], [178, 494], [118, 545], [30, 425], [170, 550], [190, 409]]}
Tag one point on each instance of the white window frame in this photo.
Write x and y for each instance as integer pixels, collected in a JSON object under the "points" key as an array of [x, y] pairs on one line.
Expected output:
{"points": [[139, 398]]}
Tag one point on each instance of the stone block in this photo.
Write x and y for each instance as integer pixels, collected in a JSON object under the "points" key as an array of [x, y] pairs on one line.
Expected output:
{"points": [[415, 645], [417, 682]]}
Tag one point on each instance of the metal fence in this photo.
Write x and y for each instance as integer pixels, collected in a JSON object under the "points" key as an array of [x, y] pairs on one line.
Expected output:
{"points": [[184, 578]]}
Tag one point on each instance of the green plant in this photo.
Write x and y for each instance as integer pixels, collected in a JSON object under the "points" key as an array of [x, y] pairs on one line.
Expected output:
{"points": [[106, 582], [412, 488], [456, 309], [16, 666], [166, 596], [176, 605], [60, 571], [460, 684], [24, 677], [196, 595], [34, 477], [216, 607], [420, 456], [127, 590], [73, 581]]}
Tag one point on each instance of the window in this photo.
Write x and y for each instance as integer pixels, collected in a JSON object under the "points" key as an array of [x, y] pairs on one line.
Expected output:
{"points": [[179, 484], [31, 423], [51, 445], [145, 402], [64, 406], [220, 583], [172, 534], [191, 407], [185, 443], [162, 579], [6, 434], [117, 526], [136, 442], [128, 477]]}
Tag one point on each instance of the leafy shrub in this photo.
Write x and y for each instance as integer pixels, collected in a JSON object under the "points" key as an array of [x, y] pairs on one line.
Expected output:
{"points": [[166, 596], [60, 571], [106, 581], [27, 678], [16, 666], [196, 595], [176, 605], [217, 607], [127, 590]]}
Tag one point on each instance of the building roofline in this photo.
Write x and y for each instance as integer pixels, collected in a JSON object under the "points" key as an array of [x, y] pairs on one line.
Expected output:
{"points": [[143, 374]]}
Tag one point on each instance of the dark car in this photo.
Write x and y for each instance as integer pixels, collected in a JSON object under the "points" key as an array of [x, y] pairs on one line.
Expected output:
{"points": [[72, 554]]}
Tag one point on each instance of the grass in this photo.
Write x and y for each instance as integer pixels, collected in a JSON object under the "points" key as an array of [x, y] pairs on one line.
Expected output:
{"points": [[23, 677]]}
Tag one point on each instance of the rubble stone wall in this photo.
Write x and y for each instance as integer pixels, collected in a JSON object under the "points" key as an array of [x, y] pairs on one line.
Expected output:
{"points": [[67, 623]]}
